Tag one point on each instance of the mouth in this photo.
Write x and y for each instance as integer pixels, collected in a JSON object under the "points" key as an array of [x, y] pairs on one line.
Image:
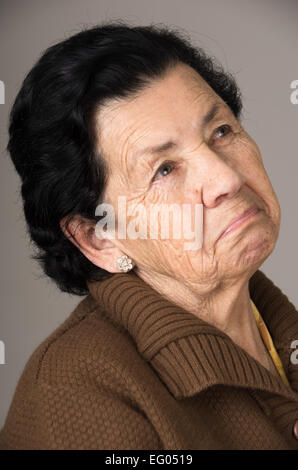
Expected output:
{"points": [[235, 223]]}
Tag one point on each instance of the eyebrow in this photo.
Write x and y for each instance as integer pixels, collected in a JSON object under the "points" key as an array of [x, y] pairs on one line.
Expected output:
{"points": [[170, 144]]}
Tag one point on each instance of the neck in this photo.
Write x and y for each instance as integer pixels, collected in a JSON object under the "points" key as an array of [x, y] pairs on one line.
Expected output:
{"points": [[227, 307]]}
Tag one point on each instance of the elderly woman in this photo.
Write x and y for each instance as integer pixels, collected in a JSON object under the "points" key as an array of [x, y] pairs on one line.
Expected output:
{"points": [[170, 348]]}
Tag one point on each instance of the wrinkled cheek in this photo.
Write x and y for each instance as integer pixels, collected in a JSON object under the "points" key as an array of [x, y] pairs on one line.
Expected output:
{"points": [[270, 197], [150, 253]]}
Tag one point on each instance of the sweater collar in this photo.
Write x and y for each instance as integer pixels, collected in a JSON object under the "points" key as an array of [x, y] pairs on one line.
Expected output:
{"points": [[189, 354]]}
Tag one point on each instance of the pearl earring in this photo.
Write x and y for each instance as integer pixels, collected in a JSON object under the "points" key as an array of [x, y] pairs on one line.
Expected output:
{"points": [[124, 264]]}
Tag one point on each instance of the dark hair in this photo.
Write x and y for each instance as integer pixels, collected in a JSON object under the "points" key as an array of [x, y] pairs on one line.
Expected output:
{"points": [[51, 128]]}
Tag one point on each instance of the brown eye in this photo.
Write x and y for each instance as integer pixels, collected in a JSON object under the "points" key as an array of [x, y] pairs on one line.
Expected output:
{"points": [[223, 130], [164, 170]]}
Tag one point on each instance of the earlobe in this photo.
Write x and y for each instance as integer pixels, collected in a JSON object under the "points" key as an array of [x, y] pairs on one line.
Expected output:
{"points": [[102, 252]]}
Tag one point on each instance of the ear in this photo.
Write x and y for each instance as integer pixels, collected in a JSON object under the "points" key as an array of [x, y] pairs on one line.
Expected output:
{"points": [[100, 251]]}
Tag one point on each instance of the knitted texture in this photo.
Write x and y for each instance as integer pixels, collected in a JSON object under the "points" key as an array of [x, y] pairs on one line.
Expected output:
{"points": [[130, 370]]}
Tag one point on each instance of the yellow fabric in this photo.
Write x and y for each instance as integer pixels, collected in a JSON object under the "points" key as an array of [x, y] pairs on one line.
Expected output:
{"points": [[269, 343]]}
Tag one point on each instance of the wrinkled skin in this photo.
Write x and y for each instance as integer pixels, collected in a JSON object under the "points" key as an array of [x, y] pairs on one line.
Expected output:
{"points": [[219, 167]]}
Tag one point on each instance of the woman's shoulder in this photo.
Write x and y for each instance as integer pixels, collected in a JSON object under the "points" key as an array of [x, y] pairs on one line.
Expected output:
{"points": [[85, 375], [87, 345]]}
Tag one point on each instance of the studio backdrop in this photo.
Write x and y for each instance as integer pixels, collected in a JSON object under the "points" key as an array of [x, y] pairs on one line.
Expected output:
{"points": [[256, 40]]}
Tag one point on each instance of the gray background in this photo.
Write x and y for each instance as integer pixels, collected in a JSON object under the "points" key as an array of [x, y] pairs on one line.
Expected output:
{"points": [[256, 40]]}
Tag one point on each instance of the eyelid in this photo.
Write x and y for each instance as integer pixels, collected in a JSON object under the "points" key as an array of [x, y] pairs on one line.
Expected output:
{"points": [[175, 164], [164, 163], [225, 124], [230, 126]]}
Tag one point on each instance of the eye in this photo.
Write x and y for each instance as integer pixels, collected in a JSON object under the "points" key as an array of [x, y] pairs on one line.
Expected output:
{"points": [[164, 170], [222, 131]]}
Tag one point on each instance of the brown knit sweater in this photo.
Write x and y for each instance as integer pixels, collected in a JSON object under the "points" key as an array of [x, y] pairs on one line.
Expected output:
{"points": [[130, 370]]}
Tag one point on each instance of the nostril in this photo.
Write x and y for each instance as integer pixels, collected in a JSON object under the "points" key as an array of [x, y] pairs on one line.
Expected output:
{"points": [[219, 198]]}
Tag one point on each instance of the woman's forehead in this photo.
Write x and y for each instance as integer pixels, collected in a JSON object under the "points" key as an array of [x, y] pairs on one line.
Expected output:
{"points": [[179, 85], [167, 104]]}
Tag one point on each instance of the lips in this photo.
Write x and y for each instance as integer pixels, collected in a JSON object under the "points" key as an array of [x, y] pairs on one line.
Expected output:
{"points": [[238, 220]]}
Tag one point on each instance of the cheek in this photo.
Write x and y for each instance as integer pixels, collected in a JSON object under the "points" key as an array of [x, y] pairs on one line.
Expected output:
{"points": [[247, 159], [158, 246], [154, 255], [258, 180], [252, 155]]}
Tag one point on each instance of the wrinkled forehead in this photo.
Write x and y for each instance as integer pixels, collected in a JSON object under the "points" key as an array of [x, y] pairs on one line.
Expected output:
{"points": [[169, 105]]}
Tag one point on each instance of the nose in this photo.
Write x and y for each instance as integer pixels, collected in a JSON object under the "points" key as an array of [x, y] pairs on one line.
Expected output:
{"points": [[220, 180]]}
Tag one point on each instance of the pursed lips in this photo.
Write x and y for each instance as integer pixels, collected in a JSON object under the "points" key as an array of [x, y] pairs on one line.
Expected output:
{"points": [[239, 219]]}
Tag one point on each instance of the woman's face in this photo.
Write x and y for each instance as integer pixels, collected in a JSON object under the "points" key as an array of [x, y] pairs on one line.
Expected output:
{"points": [[213, 162]]}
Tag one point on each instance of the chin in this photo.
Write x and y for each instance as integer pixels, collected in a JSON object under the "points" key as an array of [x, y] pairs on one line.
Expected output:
{"points": [[250, 251]]}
